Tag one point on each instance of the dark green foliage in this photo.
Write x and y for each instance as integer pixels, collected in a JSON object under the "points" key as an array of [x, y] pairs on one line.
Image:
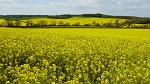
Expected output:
{"points": [[87, 24], [59, 16], [140, 20], [24, 17], [76, 24], [2, 17]]}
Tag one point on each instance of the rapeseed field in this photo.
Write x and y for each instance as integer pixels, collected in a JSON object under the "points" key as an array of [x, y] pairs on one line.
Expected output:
{"points": [[74, 56]]}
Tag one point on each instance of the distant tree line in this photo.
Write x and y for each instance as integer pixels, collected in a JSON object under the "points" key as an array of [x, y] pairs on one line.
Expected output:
{"points": [[22, 17], [140, 20], [18, 20], [133, 19], [65, 16], [43, 23]]}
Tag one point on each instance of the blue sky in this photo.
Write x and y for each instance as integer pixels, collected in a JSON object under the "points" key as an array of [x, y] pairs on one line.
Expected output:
{"points": [[52, 7]]}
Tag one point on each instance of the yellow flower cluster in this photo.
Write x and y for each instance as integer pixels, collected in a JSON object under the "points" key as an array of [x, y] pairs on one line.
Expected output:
{"points": [[36, 56]]}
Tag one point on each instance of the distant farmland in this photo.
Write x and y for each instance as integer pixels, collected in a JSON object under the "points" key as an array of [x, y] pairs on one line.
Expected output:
{"points": [[73, 20]]}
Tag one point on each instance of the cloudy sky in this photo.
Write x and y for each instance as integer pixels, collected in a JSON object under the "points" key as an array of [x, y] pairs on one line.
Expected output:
{"points": [[51, 7]]}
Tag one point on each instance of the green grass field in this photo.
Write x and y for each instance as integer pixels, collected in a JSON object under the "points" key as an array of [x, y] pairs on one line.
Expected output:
{"points": [[74, 56]]}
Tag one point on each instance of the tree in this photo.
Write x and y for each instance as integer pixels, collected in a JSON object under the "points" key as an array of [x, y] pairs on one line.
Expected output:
{"points": [[0, 24], [61, 23], [67, 24], [53, 23], [97, 24], [94, 23], [76, 24], [29, 22], [8, 23], [17, 23], [42, 23], [127, 23], [108, 24], [87, 24], [116, 23], [149, 26]]}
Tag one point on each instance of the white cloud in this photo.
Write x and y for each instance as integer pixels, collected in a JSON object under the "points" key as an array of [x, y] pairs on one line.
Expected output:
{"points": [[115, 7]]}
